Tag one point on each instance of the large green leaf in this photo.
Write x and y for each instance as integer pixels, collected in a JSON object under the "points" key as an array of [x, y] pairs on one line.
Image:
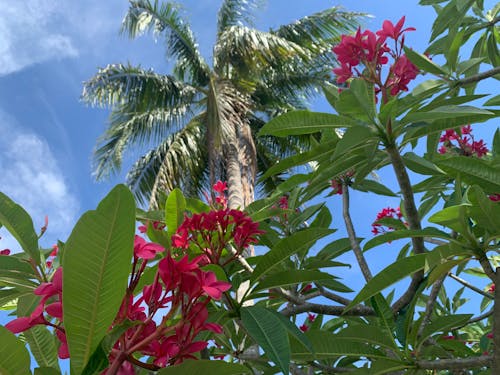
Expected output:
{"points": [[450, 217], [14, 358], [364, 94], [17, 272], [174, 210], [390, 275], [367, 333], [291, 277], [42, 346], [17, 221], [396, 235], [354, 136], [485, 212], [424, 63], [473, 171], [47, 371], [96, 265], [205, 367], [268, 331], [447, 112], [328, 345], [443, 324], [420, 165], [286, 247], [303, 122]]}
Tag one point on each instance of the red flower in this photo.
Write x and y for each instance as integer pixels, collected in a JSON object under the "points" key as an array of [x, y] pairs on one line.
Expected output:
{"points": [[311, 317], [403, 72], [220, 187], [212, 287], [393, 31], [146, 250], [343, 73], [304, 328], [491, 289], [5, 252], [494, 197]]}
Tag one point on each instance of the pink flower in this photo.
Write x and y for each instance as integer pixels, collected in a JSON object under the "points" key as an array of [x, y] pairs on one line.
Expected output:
{"points": [[494, 197], [343, 73], [220, 187], [146, 250], [403, 72], [212, 287], [5, 252], [393, 31], [311, 317], [304, 328]]}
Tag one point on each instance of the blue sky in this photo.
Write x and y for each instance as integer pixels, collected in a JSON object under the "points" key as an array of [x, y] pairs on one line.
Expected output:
{"points": [[49, 47]]}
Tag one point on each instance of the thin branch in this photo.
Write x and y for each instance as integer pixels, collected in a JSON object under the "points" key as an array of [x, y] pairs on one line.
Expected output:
{"points": [[470, 286], [359, 310], [456, 363], [480, 317], [496, 325], [431, 302], [363, 265], [434, 241], [332, 296], [477, 77], [412, 216], [487, 268]]}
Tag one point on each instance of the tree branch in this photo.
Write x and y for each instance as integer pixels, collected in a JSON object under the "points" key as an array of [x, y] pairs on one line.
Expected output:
{"points": [[480, 317], [470, 286], [456, 363], [496, 325], [332, 296], [431, 302], [477, 77], [359, 310], [363, 265]]}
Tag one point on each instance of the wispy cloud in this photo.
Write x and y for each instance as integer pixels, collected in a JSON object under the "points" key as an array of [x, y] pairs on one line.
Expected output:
{"points": [[32, 178]]}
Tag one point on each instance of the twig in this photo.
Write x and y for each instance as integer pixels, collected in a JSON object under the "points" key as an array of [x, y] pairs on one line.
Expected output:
{"points": [[431, 302], [477, 77], [363, 265], [496, 325], [434, 241], [457, 363], [470, 286], [358, 310], [480, 317], [332, 296]]}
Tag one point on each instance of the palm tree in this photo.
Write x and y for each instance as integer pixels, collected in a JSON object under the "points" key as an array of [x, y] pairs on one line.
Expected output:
{"points": [[201, 119]]}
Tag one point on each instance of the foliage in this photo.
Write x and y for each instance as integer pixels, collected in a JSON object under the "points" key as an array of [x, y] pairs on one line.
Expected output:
{"points": [[180, 293]]}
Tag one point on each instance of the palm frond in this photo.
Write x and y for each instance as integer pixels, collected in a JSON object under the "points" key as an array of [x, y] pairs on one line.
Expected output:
{"points": [[244, 49], [320, 30], [147, 15], [179, 161], [129, 128], [236, 12], [139, 89]]}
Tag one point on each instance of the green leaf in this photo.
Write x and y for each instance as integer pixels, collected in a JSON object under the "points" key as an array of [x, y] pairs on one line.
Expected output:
{"points": [[424, 63], [303, 122], [97, 264], [365, 95], [17, 272], [291, 277], [17, 221], [443, 269], [371, 334], [286, 247], [396, 235], [196, 206], [443, 324], [493, 101], [374, 187], [42, 346], [447, 112], [205, 367], [450, 217], [388, 276], [353, 137], [327, 345], [14, 358], [473, 171], [174, 211], [294, 331], [268, 331], [420, 165], [484, 212]]}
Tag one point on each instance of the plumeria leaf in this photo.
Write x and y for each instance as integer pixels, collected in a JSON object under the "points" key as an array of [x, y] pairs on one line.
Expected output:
{"points": [[174, 211], [485, 212], [443, 324], [42, 346], [396, 235], [424, 63], [268, 331], [96, 269], [14, 358], [47, 371], [20, 225], [204, 367], [388, 276], [291, 277], [287, 247]]}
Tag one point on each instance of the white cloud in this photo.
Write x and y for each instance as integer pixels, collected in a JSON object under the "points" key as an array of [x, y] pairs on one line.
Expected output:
{"points": [[32, 178]]}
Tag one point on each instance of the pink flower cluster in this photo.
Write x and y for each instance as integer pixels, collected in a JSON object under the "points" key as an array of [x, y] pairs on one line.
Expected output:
{"points": [[310, 319], [389, 212], [371, 50], [462, 143], [344, 179]]}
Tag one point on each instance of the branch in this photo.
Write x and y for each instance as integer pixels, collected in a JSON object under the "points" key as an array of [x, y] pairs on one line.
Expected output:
{"points": [[480, 317], [359, 310], [352, 234], [477, 77], [435, 241], [488, 270], [470, 286], [496, 325], [456, 364], [411, 215], [332, 296], [431, 302]]}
